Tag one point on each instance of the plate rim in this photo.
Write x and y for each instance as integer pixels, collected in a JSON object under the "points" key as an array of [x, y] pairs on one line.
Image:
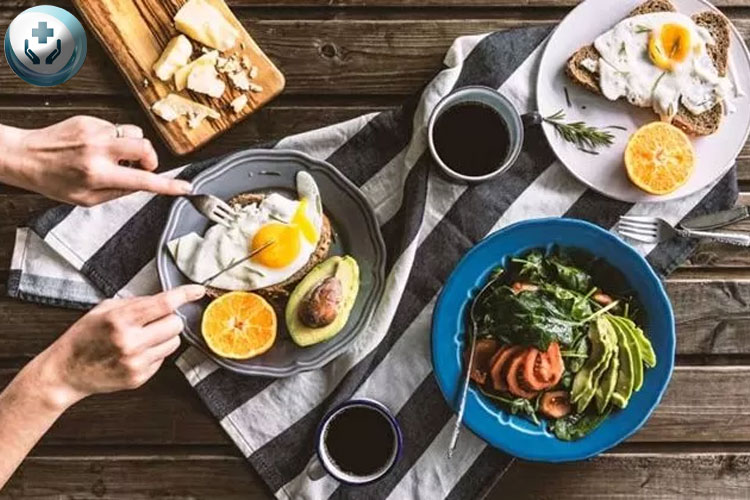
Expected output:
{"points": [[373, 230], [549, 130], [486, 435]]}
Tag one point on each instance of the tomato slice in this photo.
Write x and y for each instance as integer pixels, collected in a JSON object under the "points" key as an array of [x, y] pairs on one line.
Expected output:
{"points": [[515, 374], [484, 350], [520, 286], [499, 364], [542, 370], [555, 404]]}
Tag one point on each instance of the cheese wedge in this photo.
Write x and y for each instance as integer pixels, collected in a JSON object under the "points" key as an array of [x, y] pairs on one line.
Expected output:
{"points": [[173, 106], [181, 75], [176, 55], [204, 79], [202, 22]]}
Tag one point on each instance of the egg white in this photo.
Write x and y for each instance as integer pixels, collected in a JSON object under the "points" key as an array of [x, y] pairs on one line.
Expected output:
{"points": [[626, 70], [200, 257]]}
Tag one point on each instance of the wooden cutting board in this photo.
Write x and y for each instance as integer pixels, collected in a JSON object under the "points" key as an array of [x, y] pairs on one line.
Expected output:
{"points": [[134, 34]]}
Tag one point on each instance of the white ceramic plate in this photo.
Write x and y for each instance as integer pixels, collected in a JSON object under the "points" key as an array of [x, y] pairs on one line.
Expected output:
{"points": [[605, 172]]}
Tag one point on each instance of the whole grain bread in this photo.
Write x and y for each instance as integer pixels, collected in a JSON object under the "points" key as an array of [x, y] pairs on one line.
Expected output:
{"points": [[281, 291], [704, 124]]}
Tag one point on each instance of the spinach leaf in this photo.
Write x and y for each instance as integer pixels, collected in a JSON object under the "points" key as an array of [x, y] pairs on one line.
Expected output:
{"points": [[568, 275], [577, 425], [535, 318], [532, 267]]}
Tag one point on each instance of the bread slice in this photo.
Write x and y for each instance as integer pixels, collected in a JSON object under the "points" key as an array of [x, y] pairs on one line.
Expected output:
{"points": [[281, 291], [704, 124]]}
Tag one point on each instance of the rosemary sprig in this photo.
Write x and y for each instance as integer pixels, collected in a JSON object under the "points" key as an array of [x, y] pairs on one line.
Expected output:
{"points": [[642, 29], [584, 136]]}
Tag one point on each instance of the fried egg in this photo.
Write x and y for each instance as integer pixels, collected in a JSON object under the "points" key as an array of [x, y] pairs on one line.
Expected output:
{"points": [[294, 226], [660, 60]]}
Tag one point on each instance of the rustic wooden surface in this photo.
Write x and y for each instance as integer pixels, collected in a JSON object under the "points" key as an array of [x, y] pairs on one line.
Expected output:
{"points": [[343, 58]]}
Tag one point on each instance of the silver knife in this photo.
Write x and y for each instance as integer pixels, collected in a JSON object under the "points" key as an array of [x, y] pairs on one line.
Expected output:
{"points": [[236, 263], [718, 219]]}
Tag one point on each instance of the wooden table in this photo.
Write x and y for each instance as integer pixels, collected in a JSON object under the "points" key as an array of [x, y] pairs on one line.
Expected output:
{"points": [[343, 58]]}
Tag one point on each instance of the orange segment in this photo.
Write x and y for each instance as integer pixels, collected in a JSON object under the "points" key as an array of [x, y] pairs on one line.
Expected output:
{"points": [[239, 325], [659, 158]]}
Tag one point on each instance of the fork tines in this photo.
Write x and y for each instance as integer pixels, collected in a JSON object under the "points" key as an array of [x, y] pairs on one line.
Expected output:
{"points": [[643, 229]]}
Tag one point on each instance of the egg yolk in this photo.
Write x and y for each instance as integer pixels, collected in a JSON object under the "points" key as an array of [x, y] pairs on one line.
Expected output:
{"points": [[301, 220], [669, 46], [286, 245]]}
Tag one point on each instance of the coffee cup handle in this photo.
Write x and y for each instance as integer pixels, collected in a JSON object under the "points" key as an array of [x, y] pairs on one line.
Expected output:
{"points": [[531, 119], [315, 470]]}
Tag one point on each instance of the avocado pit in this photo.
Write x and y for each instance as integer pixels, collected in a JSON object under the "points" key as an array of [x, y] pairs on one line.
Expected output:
{"points": [[322, 304]]}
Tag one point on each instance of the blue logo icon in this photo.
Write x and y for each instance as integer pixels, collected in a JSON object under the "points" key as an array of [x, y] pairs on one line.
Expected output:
{"points": [[45, 45]]}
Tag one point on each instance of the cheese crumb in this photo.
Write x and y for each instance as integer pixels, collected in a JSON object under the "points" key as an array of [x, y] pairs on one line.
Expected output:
{"points": [[254, 87], [240, 80], [239, 103]]}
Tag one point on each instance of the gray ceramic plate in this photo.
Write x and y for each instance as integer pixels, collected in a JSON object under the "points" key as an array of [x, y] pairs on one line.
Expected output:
{"points": [[356, 233]]}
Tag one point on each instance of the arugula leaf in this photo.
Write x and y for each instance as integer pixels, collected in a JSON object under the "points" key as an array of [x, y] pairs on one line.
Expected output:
{"points": [[568, 275], [515, 406]]}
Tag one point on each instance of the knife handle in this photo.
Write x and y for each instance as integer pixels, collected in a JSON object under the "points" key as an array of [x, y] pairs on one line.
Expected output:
{"points": [[722, 237]]}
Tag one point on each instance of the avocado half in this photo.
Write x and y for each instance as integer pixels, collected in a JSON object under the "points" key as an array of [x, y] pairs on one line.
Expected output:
{"points": [[347, 271]]}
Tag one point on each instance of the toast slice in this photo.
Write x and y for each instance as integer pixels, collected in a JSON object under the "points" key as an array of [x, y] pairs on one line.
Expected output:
{"points": [[281, 291], [704, 124]]}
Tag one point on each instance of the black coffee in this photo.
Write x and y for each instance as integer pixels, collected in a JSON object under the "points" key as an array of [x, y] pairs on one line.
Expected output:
{"points": [[472, 139], [360, 440]]}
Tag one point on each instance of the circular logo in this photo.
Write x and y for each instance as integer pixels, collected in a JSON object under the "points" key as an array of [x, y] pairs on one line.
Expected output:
{"points": [[45, 45]]}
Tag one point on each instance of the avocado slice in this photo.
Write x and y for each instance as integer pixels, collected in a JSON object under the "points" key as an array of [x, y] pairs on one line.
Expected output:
{"points": [[635, 351], [608, 382], [603, 345], [347, 271], [624, 386]]}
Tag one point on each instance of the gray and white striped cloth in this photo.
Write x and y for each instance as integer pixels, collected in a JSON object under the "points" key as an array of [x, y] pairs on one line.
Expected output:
{"points": [[75, 257]]}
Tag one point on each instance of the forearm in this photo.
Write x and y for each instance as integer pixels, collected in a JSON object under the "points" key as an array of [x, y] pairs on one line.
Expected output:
{"points": [[13, 168], [29, 406]]}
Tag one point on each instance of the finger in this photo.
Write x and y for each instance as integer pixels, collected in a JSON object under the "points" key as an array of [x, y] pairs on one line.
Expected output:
{"points": [[162, 330], [128, 130], [134, 149], [133, 179], [161, 351], [149, 309]]}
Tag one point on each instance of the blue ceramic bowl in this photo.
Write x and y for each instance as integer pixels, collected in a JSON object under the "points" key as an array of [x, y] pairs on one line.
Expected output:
{"points": [[514, 434]]}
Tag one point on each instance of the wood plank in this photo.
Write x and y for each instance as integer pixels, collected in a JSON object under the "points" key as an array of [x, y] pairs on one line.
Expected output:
{"points": [[239, 4], [331, 56], [643, 475], [703, 404], [611, 475], [136, 478], [317, 56], [134, 34]]}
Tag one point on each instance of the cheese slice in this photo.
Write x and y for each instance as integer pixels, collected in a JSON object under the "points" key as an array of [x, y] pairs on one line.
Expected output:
{"points": [[202, 22], [181, 75], [173, 106], [176, 55], [204, 79]]}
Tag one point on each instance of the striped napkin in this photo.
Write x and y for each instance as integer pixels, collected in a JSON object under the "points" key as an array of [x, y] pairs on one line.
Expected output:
{"points": [[76, 257]]}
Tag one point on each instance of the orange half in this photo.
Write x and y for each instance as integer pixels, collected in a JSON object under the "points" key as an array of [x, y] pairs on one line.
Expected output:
{"points": [[239, 325], [659, 158]]}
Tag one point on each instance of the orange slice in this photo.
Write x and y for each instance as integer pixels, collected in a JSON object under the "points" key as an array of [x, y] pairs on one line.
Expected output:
{"points": [[239, 325], [659, 158]]}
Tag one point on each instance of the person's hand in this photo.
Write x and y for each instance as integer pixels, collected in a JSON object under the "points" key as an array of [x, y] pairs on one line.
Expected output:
{"points": [[118, 345], [79, 161]]}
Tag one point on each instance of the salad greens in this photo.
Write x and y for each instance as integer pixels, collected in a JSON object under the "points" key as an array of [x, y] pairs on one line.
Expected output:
{"points": [[563, 305]]}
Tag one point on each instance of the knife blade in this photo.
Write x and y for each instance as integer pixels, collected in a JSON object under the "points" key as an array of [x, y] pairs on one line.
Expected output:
{"points": [[718, 219]]}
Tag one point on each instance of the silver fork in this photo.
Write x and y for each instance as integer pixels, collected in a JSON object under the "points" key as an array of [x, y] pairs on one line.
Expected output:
{"points": [[655, 230], [213, 208]]}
